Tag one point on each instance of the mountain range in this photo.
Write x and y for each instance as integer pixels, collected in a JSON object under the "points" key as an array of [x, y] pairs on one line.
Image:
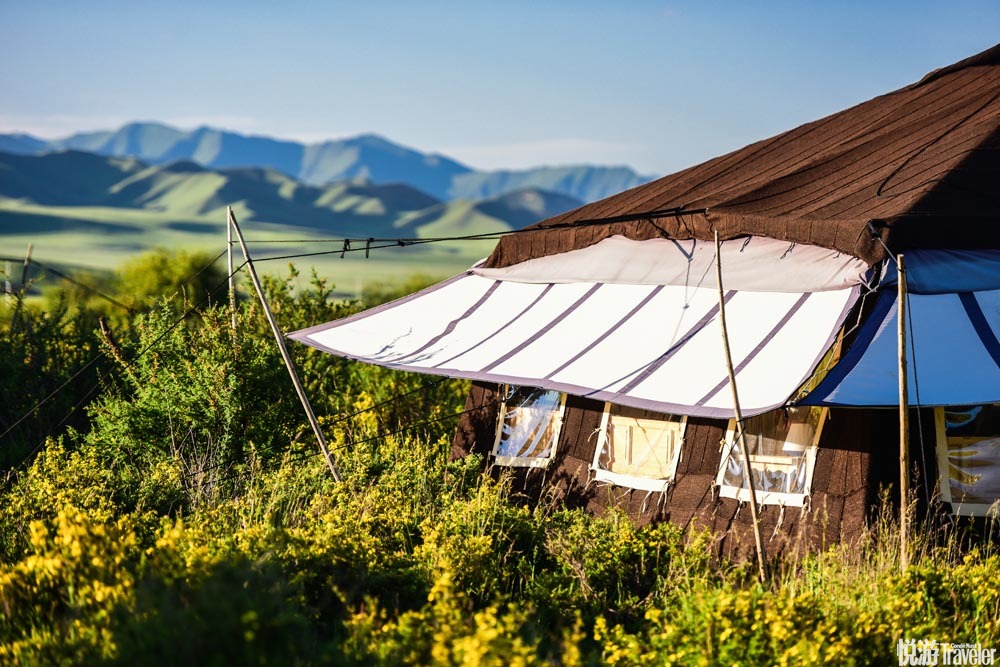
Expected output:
{"points": [[369, 157], [73, 190]]}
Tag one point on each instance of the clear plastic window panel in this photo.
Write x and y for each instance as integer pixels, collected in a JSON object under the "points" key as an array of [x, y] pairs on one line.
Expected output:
{"points": [[530, 425], [778, 443], [638, 446], [972, 434]]}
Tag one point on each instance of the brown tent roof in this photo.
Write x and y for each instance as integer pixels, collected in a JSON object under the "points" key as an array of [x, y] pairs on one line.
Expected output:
{"points": [[922, 162]]}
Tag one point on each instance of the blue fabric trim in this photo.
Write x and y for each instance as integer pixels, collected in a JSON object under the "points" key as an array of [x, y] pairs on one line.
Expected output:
{"points": [[947, 271], [981, 325], [855, 353]]}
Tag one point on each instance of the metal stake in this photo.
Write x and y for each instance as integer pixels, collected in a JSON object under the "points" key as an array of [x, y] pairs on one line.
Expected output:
{"points": [[284, 350], [21, 290], [232, 278]]}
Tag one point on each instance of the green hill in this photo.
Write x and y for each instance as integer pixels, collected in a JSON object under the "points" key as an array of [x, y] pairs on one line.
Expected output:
{"points": [[70, 178], [512, 210], [96, 211], [185, 190]]}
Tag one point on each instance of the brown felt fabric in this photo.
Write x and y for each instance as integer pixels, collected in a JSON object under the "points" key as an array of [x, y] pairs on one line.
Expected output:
{"points": [[923, 161], [857, 457]]}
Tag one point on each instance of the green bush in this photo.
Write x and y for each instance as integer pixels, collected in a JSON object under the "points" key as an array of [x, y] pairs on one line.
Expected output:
{"points": [[188, 519], [48, 373]]}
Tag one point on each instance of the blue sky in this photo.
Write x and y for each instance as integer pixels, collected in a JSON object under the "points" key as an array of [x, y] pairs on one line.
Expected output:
{"points": [[655, 85]]}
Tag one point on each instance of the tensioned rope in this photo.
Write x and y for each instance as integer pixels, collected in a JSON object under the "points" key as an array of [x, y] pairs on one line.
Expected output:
{"points": [[916, 387], [95, 358], [70, 279], [916, 378], [343, 418], [586, 222], [354, 443], [366, 245], [96, 292], [128, 364]]}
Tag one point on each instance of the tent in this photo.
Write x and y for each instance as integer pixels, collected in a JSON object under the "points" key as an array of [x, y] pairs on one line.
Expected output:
{"points": [[593, 340]]}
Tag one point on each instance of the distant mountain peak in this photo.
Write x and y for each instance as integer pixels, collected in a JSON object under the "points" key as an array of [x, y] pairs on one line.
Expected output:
{"points": [[372, 139], [527, 205], [150, 124]]}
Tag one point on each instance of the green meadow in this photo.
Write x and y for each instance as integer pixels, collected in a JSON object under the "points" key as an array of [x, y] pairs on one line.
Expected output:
{"points": [[90, 213], [91, 240]]}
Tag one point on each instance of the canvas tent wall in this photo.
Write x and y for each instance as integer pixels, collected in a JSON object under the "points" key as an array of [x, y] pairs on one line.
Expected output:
{"points": [[568, 305], [850, 467], [920, 166]]}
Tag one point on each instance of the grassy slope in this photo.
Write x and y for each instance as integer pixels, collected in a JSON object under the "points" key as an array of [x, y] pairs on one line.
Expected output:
{"points": [[104, 237], [94, 212]]}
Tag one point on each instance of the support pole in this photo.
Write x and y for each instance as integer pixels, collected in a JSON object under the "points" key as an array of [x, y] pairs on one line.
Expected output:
{"points": [[284, 349], [747, 472], [21, 290], [904, 421], [232, 278]]}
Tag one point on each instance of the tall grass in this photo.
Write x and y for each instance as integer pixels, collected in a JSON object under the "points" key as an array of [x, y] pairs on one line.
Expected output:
{"points": [[180, 527]]}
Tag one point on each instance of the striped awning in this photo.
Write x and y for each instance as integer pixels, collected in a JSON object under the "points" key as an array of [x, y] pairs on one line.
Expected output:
{"points": [[657, 347]]}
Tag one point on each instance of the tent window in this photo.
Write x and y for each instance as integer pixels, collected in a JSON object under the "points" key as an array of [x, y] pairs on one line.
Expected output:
{"points": [[968, 445], [782, 448], [638, 448], [529, 425]]}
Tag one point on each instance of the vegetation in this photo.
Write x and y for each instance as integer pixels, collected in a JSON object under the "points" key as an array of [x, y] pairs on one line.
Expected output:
{"points": [[181, 515]]}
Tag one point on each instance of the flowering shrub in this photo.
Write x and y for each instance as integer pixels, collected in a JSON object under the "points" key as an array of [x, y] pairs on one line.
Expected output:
{"points": [[190, 521]]}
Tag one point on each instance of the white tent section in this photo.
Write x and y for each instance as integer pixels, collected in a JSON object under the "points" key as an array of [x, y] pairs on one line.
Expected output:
{"points": [[753, 264], [652, 346]]}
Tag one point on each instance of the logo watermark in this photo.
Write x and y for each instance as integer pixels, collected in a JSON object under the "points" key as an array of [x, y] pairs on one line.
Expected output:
{"points": [[933, 652]]}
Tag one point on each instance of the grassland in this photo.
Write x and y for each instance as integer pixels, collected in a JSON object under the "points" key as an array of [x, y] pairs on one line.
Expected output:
{"points": [[89, 212], [102, 238]]}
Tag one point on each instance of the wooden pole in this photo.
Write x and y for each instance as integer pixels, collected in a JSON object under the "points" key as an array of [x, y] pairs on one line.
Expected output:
{"points": [[284, 349], [904, 420], [747, 472], [21, 290], [232, 278]]}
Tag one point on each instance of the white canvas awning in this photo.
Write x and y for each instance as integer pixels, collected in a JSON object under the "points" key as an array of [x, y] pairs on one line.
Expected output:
{"points": [[756, 263], [648, 346]]}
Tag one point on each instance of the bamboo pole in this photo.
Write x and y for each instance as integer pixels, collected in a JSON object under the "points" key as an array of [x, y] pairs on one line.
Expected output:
{"points": [[747, 472], [904, 420], [286, 357], [232, 278]]}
